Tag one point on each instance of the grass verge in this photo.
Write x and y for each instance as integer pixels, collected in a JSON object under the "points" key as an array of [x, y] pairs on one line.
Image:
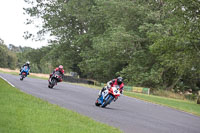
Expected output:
{"points": [[31, 76], [183, 105], [23, 113]]}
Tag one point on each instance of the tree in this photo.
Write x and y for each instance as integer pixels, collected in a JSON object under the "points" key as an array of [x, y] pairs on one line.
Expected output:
{"points": [[7, 58], [176, 44], [150, 43]]}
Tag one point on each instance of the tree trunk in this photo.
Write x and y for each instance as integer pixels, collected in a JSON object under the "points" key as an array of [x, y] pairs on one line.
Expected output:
{"points": [[173, 85]]}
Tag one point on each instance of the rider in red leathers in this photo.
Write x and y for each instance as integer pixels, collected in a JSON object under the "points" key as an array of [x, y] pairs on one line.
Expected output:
{"points": [[60, 69], [118, 81]]}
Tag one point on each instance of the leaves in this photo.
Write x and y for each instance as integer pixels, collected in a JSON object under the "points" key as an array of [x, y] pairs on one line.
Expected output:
{"points": [[149, 43], [7, 58]]}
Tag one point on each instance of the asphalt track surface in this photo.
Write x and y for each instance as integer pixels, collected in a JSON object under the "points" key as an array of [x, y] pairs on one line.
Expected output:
{"points": [[128, 114]]}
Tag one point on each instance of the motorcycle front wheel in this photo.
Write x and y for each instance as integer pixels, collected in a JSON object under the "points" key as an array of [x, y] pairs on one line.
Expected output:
{"points": [[53, 82], [108, 101], [22, 77], [97, 103]]}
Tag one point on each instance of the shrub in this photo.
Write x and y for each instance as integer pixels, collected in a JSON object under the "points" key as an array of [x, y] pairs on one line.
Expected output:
{"points": [[191, 97], [168, 94]]}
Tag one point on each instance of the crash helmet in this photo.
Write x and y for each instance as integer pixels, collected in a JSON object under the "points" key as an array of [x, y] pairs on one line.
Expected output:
{"points": [[119, 80], [60, 67], [28, 63]]}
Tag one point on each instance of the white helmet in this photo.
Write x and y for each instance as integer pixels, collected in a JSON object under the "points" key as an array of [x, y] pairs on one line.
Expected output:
{"points": [[27, 62]]}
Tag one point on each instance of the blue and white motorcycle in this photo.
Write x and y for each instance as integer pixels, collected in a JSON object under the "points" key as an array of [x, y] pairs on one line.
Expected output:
{"points": [[24, 72], [108, 96]]}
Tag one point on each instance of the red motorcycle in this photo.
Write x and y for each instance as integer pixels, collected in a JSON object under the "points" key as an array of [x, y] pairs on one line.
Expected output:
{"points": [[108, 96], [56, 77]]}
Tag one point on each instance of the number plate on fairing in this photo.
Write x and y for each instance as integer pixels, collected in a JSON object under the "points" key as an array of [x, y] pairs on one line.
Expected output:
{"points": [[115, 91]]}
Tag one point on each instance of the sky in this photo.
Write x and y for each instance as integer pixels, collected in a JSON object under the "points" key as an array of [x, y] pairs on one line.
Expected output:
{"points": [[12, 24]]}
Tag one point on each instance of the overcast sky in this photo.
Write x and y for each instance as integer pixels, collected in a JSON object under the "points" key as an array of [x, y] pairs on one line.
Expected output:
{"points": [[12, 25]]}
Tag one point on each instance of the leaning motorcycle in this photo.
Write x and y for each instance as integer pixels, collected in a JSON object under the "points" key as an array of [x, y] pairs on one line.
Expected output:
{"points": [[108, 96], [56, 77], [24, 72]]}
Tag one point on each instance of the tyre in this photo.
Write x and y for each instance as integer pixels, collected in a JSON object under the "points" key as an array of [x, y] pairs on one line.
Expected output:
{"points": [[53, 82], [50, 86], [97, 103], [108, 101], [22, 77]]}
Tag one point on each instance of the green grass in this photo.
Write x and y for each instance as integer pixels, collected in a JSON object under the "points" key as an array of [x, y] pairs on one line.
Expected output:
{"points": [[13, 73], [23, 113], [183, 105]]}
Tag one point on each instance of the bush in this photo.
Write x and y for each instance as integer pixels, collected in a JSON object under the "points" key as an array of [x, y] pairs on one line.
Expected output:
{"points": [[168, 94], [191, 97]]}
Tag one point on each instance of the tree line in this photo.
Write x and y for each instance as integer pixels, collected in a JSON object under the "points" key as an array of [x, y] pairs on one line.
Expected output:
{"points": [[8, 59], [152, 43]]}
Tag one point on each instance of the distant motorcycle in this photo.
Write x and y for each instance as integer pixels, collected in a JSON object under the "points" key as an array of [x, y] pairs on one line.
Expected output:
{"points": [[56, 77], [24, 72], [108, 96]]}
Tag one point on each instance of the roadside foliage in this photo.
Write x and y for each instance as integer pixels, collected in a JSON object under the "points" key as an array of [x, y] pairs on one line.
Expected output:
{"points": [[7, 58]]}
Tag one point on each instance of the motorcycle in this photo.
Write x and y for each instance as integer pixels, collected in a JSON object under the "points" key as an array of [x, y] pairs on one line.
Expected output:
{"points": [[24, 72], [56, 77], [108, 96]]}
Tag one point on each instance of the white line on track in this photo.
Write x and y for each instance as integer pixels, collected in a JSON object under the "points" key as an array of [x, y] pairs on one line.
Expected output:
{"points": [[7, 81]]}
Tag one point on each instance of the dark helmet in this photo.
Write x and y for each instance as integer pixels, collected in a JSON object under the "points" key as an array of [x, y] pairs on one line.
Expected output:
{"points": [[119, 80]]}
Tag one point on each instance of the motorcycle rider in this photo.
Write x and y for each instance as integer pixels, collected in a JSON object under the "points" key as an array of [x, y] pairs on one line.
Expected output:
{"points": [[60, 69], [113, 82], [26, 64]]}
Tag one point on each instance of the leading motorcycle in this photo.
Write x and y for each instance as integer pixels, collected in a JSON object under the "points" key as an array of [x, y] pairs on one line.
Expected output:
{"points": [[56, 77], [24, 72], [108, 96]]}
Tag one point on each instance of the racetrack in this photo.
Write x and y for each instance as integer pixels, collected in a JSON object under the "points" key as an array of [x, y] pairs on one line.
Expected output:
{"points": [[128, 114]]}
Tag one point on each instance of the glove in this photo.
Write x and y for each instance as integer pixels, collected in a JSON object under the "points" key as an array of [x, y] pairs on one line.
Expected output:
{"points": [[103, 89]]}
